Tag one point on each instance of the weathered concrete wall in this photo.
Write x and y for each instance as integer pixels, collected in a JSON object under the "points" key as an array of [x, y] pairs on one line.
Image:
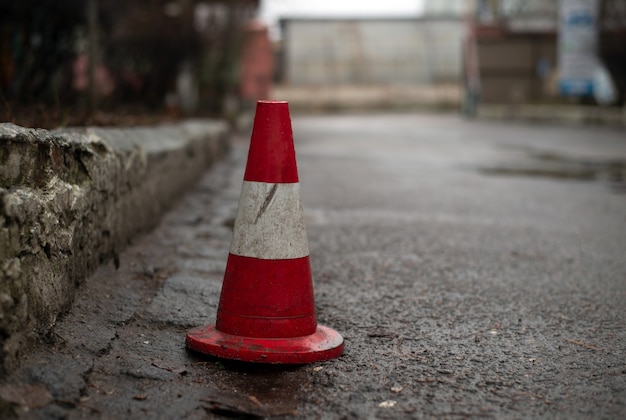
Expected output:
{"points": [[71, 199]]}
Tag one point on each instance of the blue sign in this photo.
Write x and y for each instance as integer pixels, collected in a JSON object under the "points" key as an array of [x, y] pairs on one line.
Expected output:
{"points": [[577, 46]]}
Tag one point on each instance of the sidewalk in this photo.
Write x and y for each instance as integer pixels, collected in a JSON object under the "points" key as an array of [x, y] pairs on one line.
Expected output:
{"points": [[72, 199], [120, 352]]}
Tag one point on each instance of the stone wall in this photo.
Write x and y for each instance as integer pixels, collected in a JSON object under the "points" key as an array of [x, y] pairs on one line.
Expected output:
{"points": [[72, 199]]}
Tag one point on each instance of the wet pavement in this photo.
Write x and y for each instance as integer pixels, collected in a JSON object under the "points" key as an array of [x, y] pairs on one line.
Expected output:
{"points": [[475, 270]]}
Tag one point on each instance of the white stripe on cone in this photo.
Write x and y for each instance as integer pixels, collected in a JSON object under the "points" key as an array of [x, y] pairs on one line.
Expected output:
{"points": [[270, 222]]}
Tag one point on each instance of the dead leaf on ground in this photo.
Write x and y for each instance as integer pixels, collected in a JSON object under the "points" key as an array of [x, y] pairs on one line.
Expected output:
{"points": [[382, 334], [26, 395], [582, 344], [178, 370], [241, 405]]}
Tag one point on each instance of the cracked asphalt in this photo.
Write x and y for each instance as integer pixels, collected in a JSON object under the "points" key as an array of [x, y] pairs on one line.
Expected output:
{"points": [[475, 269]]}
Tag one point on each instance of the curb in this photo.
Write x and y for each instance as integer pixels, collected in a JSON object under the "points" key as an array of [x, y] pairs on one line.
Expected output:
{"points": [[555, 113], [72, 199], [352, 98]]}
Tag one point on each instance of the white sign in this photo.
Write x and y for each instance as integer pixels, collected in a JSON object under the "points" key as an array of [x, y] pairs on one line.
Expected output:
{"points": [[578, 44]]}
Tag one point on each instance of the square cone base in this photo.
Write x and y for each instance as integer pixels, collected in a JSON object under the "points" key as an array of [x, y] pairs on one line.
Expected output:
{"points": [[323, 344]]}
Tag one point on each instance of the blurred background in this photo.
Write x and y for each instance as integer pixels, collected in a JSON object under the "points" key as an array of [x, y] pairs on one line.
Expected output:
{"points": [[75, 62]]}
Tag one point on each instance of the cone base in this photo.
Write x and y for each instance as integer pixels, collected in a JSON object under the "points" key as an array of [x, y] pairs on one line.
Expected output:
{"points": [[324, 344]]}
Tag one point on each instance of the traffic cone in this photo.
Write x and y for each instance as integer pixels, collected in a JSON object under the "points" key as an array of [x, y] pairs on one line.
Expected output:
{"points": [[267, 311]]}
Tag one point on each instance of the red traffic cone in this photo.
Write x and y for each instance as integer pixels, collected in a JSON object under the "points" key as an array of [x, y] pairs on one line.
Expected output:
{"points": [[267, 311]]}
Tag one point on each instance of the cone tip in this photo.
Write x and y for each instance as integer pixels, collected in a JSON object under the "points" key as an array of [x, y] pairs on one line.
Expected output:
{"points": [[271, 157], [270, 101]]}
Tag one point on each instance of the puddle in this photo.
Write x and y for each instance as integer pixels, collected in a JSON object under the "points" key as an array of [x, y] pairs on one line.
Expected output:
{"points": [[556, 173], [555, 166]]}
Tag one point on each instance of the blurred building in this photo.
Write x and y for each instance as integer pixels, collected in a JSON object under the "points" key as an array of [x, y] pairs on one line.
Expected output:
{"points": [[256, 64], [371, 51], [446, 7], [512, 55], [510, 51]]}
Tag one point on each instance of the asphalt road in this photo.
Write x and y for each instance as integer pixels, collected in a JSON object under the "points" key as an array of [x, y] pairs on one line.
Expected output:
{"points": [[475, 270]]}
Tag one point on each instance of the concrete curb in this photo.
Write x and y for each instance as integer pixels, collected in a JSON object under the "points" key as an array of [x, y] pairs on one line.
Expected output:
{"points": [[555, 113], [71, 199], [369, 98]]}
